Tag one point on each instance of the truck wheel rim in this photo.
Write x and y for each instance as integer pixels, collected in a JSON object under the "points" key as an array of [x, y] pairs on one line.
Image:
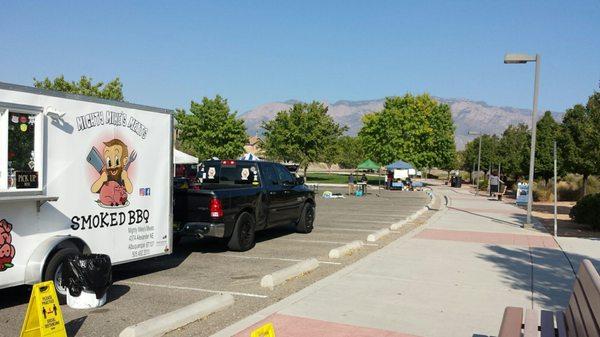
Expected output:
{"points": [[310, 216], [246, 233], [58, 281]]}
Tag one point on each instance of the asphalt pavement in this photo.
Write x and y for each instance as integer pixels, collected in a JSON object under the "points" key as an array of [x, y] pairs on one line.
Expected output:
{"points": [[199, 269]]}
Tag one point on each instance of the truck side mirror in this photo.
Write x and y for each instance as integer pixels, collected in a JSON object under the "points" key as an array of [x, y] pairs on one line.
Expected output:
{"points": [[300, 180]]}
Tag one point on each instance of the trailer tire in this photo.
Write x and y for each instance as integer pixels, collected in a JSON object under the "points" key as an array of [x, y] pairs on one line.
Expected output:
{"points": [[52, 270], [243, 237], [307, 218]]}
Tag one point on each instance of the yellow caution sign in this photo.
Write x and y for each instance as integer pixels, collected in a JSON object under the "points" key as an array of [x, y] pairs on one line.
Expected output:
{"points": [[266, 330], [43, 317]]}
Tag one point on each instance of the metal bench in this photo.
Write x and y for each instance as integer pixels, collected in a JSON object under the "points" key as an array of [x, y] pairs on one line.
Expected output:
{"points": [[581, 319]]}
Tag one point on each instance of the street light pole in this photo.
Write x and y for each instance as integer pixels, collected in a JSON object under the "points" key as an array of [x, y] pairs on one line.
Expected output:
{"points": [[478, 167], [519, 58], [555, 194], [476, 133]]}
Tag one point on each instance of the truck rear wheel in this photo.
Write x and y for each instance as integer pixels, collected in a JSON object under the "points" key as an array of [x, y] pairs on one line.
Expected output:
{"points": [[307, 219], [243, 235], [53, 270]]}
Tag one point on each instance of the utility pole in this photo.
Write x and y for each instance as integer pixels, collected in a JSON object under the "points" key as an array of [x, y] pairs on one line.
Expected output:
{"points": [[555, 195], [478, 166]]}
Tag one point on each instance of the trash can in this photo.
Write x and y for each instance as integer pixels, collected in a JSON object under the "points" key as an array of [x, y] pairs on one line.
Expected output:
{"points": [[456, 182], [87, 278]]}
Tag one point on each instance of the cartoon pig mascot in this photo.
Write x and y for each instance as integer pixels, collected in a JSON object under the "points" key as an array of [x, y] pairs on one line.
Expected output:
{"points": [[7, 250], [113, 194]]}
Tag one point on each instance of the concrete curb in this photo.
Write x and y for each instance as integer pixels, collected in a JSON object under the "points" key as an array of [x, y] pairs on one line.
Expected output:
{"points": [[397, 225], [346, 249], [170, 321], [378, 235], [282, 275]]}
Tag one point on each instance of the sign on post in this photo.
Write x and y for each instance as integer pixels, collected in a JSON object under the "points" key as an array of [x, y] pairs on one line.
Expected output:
{"points": [[522, 194], [43, 317], [266, 330]]}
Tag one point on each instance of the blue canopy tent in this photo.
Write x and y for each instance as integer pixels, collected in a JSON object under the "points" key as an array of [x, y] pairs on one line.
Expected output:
{"points": [[402, 168], [399, 165]]}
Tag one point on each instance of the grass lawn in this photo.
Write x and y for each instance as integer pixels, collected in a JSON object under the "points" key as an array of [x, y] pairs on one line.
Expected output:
{"points": [[333, 178]]}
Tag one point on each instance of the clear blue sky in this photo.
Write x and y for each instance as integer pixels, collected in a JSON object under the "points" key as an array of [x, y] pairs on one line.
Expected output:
{"points": [[253, 52]]}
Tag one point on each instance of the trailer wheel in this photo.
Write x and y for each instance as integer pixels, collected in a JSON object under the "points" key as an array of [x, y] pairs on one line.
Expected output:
{"points": [[307, 219], [243, 235], [53, 270]]}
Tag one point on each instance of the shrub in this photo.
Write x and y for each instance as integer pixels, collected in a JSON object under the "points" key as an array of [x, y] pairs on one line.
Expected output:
{"points": [[571, 187], [543, 191], [587, 211], [483, 185]]}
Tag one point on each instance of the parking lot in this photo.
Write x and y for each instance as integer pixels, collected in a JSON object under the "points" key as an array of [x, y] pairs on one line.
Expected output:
{"points": [[201, 268]]}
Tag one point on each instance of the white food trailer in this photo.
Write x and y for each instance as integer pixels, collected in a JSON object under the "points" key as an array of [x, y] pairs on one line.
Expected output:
{"points": [[79, 175]]}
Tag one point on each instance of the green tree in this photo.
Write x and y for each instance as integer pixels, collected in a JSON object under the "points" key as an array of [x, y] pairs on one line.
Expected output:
{"points": [[112, 90], [443, 147], [490, 146], [514, 150], [331, 154], [547, 132], [303, 134], [211, 130], [415, 129], [580, 139], [351, 152]]}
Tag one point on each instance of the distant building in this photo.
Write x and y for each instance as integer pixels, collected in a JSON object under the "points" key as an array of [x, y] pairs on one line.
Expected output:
{"points": [[253, 146]]}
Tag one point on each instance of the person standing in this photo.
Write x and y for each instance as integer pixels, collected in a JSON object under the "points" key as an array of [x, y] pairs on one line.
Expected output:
{"points": [[351, 184], [494, 183], [363, 184]]}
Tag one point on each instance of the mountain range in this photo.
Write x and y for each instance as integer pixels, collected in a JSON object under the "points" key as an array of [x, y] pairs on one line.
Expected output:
{"points": [[468, 115]]}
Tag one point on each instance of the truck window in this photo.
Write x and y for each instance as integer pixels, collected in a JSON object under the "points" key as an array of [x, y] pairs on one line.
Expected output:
{"points": [[21, 152], [238, 174], [269, 176], [284, 175]]}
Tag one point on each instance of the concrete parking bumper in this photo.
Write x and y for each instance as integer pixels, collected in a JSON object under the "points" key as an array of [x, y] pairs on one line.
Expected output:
{"points": [[160, 325], [280, 276]]}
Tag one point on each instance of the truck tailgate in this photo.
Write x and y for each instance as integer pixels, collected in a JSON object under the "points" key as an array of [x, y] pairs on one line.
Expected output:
{"points": [[191, 205]]}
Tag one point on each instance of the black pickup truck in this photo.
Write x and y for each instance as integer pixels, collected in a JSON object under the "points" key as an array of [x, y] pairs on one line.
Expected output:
{"points": [[235, 198]]}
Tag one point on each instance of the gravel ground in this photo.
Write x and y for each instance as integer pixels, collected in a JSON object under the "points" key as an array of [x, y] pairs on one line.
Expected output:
{"points": [[200, 268]]}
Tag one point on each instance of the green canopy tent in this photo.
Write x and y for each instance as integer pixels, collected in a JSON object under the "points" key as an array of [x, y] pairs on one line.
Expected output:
{"points": [[368, 165], [371, 165]]}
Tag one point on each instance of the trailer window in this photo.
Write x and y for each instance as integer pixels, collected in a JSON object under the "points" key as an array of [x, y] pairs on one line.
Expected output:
{"points": [[20, 150]]}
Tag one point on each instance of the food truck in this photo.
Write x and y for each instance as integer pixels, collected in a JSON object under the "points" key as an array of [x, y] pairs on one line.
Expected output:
{"points": [[80, 175]]}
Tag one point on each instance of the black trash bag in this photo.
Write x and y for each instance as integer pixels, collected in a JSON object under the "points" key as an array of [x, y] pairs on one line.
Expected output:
{"points": [[89, 272]]}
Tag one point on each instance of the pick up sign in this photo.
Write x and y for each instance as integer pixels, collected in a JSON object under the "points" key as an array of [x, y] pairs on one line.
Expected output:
{"points": [[26, 179]]}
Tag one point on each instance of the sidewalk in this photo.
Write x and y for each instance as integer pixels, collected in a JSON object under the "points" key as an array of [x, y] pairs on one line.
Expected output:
{"points": [[452, 277]]}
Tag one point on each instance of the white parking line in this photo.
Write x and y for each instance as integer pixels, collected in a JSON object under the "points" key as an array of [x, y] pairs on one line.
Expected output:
{"points": [[369, 214], [344, 229], [271, 258], [192, 289], [330, 242], [371, 221], [315, 241]]}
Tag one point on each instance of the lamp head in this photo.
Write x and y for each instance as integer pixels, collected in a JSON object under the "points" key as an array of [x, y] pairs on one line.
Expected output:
{"points": [[518, 58]]}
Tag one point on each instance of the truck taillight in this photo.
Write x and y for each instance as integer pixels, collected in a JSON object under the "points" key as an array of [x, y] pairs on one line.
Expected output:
{"points": [[216, 209]]}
